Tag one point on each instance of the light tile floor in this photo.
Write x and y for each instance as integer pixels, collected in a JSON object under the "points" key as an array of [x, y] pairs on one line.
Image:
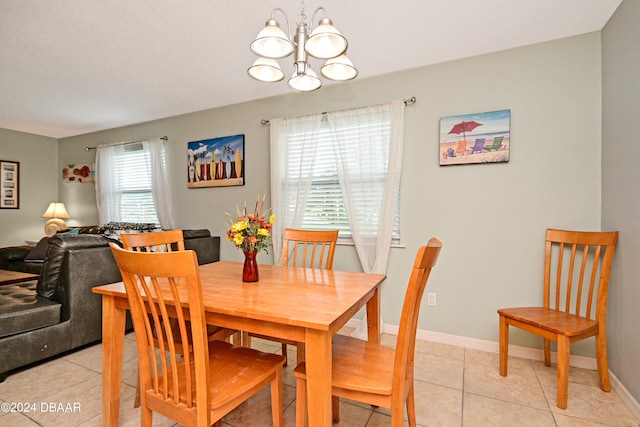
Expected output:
{"points": [[454, 387]]}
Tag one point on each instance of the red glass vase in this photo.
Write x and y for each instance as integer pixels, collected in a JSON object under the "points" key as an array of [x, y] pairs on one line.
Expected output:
{"points": [[250, 269]]}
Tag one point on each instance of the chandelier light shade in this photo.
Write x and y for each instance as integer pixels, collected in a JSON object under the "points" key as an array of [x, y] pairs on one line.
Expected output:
{"points": [[272, 42], [339, 68], [305, 82], [324, 42], [55, 211], [266, 70]]}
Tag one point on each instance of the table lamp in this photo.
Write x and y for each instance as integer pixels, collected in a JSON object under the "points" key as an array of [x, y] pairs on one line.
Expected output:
{"points": [[55, 211]]}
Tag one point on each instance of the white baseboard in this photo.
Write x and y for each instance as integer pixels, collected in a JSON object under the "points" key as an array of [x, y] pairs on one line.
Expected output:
{"points": [[517, 351], [625, 396]]}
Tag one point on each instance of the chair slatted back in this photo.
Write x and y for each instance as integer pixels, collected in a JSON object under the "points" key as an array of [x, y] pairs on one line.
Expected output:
{"points": [[150, 278], [577, 270], [309, 248], [157, 241], [405, 349]]}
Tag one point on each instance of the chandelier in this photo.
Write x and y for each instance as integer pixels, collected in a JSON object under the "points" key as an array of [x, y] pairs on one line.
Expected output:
{"points": [[322, 42]]}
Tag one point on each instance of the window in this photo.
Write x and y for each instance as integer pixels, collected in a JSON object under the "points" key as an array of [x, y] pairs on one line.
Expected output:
{"points": [[325, 205], [340, 170], [131, 184], [134, 185]]}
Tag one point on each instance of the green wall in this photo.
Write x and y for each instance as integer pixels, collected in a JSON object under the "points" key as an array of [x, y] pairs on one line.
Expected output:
{"points": [[38, 157], [620, 178], [491, 218]]}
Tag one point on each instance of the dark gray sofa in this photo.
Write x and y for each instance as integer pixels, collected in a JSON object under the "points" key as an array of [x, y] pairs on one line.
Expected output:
{"points": [[59, 312], [13, 258]]}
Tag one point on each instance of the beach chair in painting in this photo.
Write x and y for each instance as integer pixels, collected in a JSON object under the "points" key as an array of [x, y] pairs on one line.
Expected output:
{"points": [[478, 147], [461, 147], [497, 141]]}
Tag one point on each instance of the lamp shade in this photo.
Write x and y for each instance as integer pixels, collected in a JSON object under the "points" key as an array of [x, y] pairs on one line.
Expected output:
{"points": [[55, 210], [306, 82], [272, 42], [266, 70], [325, 41], [340, 68]]}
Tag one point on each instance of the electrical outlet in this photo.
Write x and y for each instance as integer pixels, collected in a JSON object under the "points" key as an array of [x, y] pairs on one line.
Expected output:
{"points": [[431, 298]]}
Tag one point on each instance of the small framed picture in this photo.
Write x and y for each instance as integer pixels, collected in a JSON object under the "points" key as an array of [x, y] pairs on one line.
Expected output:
{"points": [[9, 184], [475, 138]]}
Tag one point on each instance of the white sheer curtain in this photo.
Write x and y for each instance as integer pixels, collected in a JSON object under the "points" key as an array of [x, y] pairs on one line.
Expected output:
{"points": [[159, 184], [368, 148], [109, 182], [291, 173], [369, 159]]}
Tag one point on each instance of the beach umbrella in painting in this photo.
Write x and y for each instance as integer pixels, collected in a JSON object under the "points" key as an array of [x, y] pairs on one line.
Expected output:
{"points": [[464, 127]]}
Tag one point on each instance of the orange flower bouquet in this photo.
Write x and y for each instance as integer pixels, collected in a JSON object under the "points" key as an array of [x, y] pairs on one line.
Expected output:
{"points": [[251, 232]]}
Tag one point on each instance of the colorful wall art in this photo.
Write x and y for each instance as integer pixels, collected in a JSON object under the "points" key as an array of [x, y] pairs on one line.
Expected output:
{"points": [[81, 174], [475, 138], [216, 162]]}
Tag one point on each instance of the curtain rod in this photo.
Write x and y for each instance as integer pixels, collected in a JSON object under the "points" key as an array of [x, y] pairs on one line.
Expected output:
{"points": [[409, 101], [164, 138]]}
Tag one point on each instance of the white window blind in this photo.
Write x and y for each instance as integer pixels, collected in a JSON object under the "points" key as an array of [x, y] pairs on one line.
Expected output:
{"points": [[325, 208], [133, 167]]}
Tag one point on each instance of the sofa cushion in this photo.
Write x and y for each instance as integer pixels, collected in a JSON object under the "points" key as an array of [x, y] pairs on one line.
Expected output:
{"points": [[15, 253], [39, 251], [193, 234], [22, 309], [207, 248], [25, 267]]}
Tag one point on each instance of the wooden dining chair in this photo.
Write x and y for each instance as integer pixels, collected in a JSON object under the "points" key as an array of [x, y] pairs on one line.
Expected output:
{"points": [[169, 241], [307, 249], [194, 388], [157, 241], [371, 373], [576, 282]]}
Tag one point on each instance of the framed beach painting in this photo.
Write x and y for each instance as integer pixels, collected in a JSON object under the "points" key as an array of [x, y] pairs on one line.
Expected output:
{"points": [[475, 138], [9, 185], [216, 162]]}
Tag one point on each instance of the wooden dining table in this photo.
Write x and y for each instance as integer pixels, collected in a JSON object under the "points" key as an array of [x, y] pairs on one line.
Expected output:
{"points": [[301, 304]]}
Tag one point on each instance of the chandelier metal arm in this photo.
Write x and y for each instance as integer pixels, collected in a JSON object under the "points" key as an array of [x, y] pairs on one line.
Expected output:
{"points": [[302, 21], [286, 18], [313, 17]]}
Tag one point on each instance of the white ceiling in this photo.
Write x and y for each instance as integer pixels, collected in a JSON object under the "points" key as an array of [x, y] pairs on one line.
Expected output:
{"points": [[69, 67]]}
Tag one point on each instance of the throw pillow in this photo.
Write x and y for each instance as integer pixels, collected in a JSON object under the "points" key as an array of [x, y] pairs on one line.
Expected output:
{"points": [[69, 231]]}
